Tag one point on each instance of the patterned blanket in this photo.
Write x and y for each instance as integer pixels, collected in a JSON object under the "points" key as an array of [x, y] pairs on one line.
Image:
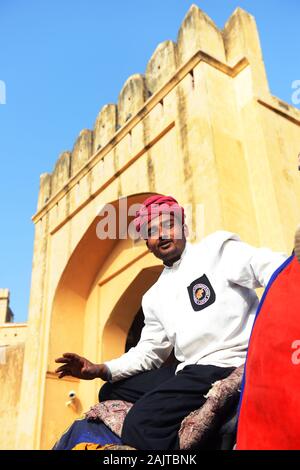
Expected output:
{"points": [[196, 427]]}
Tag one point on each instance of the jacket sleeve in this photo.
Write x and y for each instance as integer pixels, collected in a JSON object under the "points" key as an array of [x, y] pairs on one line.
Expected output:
{"points": [[151, 351], [249, 266]]}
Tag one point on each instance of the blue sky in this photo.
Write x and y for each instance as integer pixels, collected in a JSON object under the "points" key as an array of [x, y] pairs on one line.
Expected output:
{"points": [[62, 60]]}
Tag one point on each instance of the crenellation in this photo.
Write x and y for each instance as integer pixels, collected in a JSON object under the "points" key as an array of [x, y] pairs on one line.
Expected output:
{"points": [[45, 189], [105, 126], [6, 315], [61, 172], [82, 150], [161, 66], [131, 98], [199, 32], [241, 39]]}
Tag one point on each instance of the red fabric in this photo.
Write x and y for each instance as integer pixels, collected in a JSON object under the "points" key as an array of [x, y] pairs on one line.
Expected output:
{"points": [[155, 205], [270, 408]]}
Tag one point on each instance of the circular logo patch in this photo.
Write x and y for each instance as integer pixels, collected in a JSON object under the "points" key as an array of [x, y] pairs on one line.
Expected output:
{"points": [[201, 294]]}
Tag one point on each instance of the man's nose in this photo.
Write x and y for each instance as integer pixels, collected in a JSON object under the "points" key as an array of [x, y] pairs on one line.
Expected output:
{"points": [[164, 233]]}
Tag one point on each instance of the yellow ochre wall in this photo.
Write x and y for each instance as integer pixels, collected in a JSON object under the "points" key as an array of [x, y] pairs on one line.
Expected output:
{"points": [[12, 343], [200, 124]]}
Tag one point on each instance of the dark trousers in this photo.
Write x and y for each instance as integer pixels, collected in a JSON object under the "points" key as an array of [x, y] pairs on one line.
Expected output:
{"points": [[161, 401]]}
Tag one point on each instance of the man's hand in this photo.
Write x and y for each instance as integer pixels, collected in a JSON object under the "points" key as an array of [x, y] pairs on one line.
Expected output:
{"points": [[79, 367]]}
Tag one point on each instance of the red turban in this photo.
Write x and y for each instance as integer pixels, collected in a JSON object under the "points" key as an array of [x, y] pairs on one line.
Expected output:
{"points": [[154, 206]]}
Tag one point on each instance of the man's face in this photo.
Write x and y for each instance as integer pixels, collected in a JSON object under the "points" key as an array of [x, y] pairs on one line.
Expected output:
{"points": [[166, 238]]}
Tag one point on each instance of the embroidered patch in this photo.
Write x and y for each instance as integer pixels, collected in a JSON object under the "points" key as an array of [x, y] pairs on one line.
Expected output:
{"points": [[201, 293]]}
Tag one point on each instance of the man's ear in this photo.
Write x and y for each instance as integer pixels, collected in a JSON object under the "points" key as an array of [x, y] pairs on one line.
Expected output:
{"points": [[147, 244]]}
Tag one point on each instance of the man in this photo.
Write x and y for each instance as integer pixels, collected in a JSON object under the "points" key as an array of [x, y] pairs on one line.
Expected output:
{"points": [[202, 305]]}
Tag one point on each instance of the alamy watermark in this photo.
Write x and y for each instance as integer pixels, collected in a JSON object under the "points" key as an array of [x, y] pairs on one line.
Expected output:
{"points": [[117, 221], [296, 354], [2, 92], [296, 93]]}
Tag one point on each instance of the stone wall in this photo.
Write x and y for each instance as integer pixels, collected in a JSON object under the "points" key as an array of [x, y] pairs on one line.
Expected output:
{"points": [[238, 40], [6, 314], [11, 365]]}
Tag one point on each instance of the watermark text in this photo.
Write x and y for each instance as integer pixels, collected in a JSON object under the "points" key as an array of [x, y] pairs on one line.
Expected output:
{"points": [[2, 92]]}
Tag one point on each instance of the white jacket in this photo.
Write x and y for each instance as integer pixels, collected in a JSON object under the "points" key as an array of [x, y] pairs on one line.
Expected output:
{"points": [[203, 306]]}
